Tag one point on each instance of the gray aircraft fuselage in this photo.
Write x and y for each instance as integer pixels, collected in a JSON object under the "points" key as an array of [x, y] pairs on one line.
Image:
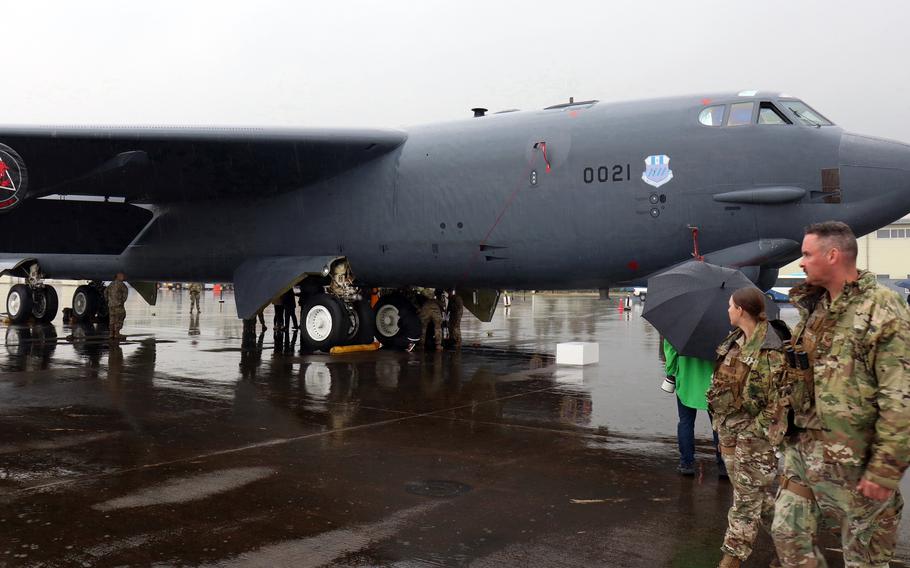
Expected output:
{"points": [[473, 203]]}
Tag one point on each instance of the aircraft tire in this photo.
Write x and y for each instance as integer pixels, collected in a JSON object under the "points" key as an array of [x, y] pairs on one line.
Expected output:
{"points": [[396, 322], [19, 303], [45, 308], [85, 303], [323, 322], [365, 329]]}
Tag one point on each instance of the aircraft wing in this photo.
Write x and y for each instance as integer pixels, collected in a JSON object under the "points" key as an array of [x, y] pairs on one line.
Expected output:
{"points": [[159, 165]]}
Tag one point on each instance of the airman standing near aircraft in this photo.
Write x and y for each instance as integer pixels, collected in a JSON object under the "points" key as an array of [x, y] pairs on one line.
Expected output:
{"points": [[431, 311], [195, 291], [115, 295], [850, 397], [741, 397], [456, 309], [289, 302]]}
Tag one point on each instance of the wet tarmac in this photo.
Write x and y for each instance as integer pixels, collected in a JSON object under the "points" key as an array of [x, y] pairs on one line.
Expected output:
{"points": [[189, 445]]}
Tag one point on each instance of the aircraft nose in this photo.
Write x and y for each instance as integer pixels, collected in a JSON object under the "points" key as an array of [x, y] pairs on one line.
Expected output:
{"points": [[874, 181], [875, 168], [868, 151]]}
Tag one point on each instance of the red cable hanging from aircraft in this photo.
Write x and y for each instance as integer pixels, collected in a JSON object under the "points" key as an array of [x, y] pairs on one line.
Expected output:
{"points": [[542, 146], [695, 252]]}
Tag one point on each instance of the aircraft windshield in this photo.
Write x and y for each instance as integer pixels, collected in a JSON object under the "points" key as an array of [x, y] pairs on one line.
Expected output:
{"points": [[805, 114]]}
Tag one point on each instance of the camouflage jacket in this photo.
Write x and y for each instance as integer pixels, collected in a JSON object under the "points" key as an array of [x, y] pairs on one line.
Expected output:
{"points": [[746, 380], [116, 294], [195, 288], [456, 309], [859, 397]]}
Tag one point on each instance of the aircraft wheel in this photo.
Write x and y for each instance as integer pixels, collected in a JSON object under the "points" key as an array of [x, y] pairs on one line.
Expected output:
{"points": [[85, 303], [324, 322], [19, 303], [362, 327], [44, 308], [397, 324]]}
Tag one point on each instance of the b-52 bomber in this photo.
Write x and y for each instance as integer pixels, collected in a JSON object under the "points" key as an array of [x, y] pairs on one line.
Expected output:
{"points": [[579, 195]]}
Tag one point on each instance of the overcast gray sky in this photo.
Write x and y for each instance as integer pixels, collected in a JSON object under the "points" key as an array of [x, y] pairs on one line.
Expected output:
{"points": [[398, 63]]}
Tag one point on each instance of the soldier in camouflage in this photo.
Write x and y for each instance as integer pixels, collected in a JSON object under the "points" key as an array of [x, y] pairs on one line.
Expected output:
{"points": [[850, 437], [456, 309], [115, 295], [431, 313], [749, 366], [195, 292]]}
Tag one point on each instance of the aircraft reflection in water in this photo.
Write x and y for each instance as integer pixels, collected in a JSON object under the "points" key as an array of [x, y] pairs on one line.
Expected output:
{"points": [[578, 195], [435, 383]]}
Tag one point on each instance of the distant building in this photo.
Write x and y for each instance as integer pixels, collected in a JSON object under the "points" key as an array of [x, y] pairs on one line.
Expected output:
{"points": [[886, 252]]}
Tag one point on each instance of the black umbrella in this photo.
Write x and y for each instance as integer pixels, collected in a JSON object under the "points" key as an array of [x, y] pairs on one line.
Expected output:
{"points": [[688, 305]]}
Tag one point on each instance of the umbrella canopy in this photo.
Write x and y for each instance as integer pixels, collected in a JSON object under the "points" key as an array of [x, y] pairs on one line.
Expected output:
{"points": [[688, 306], [904, 283]]}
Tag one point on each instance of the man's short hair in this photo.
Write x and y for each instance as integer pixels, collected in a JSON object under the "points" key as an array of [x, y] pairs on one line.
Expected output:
{"points": [[836, 235]]}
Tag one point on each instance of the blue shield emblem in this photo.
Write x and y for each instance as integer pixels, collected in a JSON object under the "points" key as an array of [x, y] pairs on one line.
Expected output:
{"points": [[657, 170]]}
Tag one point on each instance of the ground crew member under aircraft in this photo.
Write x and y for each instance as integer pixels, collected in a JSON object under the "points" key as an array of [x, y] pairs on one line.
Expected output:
{"points": [[289, 302], [195, 291], [115, 295], [278, 319], [431, 312], [456, 309], [849, 382]]}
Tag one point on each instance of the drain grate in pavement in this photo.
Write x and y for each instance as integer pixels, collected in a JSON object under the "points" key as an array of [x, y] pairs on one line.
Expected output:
{"points": [[437, 488]]}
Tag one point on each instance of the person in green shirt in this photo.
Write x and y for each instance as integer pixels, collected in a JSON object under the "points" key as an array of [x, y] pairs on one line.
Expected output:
{"points": [[693, 378]]}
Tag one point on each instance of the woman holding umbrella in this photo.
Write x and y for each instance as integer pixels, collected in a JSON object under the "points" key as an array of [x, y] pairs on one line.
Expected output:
{"points": [[750, 362]]}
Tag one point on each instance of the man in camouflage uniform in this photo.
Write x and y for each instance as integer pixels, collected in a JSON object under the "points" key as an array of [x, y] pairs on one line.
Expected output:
{"points": [[195, 291], [431, 312], [850, 442], [456, 309], [115, 295]]}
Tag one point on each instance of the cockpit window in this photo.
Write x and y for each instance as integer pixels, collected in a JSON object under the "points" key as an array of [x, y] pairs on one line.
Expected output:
{"points": [[740, 114], [769, 114], [712, 115], [805, 114]]}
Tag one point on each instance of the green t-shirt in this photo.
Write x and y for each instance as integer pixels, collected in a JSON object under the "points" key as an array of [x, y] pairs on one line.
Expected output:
{"points": [[693, 377]]}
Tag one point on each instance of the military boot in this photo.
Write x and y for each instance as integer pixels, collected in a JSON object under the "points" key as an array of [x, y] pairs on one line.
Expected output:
{"points": [[729, 562]]}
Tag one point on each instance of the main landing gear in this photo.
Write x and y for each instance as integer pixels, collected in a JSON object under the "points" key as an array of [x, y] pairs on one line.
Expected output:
{"points": [[335, 312], [35, 299], [88, 303]]}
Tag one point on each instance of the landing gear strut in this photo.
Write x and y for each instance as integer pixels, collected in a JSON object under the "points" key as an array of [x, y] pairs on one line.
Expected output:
{"points": [[34, 299]]}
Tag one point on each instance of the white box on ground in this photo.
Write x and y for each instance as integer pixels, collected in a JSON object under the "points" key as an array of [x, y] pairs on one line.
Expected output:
{"points": [[577, 353]]}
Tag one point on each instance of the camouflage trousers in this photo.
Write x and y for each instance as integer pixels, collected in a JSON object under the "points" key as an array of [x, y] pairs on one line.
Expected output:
{"points": [[115, 320], [194, 302], [868, 528], [455, 330], [427, 316], [752, 466]]}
